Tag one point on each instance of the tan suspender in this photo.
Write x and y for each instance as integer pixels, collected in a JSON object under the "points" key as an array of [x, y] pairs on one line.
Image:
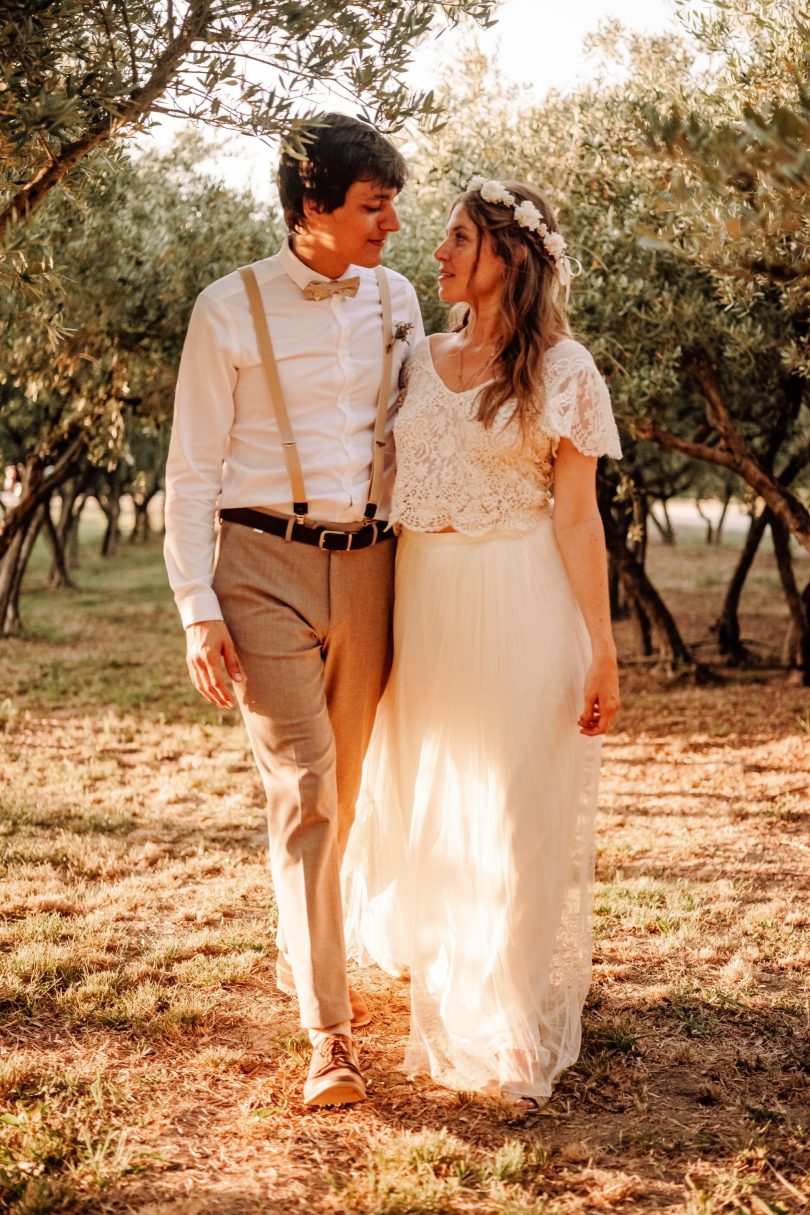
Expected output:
{"points": [[265, 343], [378, 451], [290, 448]]}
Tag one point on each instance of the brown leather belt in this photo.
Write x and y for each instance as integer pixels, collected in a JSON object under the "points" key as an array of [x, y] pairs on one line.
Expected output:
{"points": [[293, 528]]}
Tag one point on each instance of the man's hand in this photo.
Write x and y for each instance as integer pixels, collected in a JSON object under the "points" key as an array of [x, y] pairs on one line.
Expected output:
{"points": [[208, 645]]}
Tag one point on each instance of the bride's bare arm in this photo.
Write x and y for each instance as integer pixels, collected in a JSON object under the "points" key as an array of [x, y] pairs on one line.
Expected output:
{"points": [[581, 540]]}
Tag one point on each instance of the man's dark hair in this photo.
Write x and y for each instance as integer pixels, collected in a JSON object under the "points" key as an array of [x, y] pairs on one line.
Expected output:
{"points": [[339, 151]]}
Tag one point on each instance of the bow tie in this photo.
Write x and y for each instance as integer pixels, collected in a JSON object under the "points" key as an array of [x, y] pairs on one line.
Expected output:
{"points": [[317, 290]]}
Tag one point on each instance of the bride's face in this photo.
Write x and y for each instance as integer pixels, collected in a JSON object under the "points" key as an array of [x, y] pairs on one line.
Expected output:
{"points": [[469, 271]]}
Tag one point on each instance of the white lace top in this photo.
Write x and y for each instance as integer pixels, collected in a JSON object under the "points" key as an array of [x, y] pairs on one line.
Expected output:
{"points": [[452, 472]]}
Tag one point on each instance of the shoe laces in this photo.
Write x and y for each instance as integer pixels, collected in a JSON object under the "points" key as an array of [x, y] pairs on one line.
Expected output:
{"points": [[337, 1049]]}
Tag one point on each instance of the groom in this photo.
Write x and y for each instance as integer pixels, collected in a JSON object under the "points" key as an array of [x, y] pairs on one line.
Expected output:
{"points": [[283, 417]]}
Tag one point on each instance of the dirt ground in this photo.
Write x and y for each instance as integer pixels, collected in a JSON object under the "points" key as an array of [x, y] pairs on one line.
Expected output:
{"points": [[148, 1064]]}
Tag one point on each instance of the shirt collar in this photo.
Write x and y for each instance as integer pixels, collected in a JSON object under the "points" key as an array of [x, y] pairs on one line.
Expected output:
{"points": [[300, 274]]}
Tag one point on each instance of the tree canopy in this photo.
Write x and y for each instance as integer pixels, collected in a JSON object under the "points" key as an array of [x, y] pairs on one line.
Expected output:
{"points": [[701, 358], [75, 77]]}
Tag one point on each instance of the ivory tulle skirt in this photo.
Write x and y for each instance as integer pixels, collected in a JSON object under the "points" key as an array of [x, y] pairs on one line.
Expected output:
{"points": [[470, 863]]}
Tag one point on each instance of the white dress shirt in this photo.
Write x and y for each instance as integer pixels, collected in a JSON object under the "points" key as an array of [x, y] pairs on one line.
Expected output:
{"points": [[225, 448]]}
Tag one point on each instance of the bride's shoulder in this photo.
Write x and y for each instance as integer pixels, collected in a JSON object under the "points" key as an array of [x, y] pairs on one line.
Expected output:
{"points": [[432, 346], [568, 352], [416, 365], [426, 351], [418, 357], [437, 341]]}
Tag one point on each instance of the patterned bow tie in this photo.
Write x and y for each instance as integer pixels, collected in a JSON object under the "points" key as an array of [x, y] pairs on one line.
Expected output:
{"points": [[317, 290]]}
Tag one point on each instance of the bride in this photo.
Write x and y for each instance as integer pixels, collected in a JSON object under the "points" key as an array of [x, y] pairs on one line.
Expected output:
{"points": [[470, 864]]}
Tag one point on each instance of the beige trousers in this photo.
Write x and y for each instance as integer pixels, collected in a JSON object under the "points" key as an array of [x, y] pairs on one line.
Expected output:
{"points": [[313, 633]]}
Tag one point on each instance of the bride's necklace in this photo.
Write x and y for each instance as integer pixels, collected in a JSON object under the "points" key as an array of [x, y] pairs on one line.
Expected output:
{"points": [[462, 386]]}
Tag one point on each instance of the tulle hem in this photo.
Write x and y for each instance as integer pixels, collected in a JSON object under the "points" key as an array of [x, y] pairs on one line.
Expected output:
{"points": [[470, 864]]}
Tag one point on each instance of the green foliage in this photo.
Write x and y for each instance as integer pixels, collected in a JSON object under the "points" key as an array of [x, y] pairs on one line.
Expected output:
{"points": [[55, 1140], [74, 78], [707, 368], [136, 251], [736, 148]]}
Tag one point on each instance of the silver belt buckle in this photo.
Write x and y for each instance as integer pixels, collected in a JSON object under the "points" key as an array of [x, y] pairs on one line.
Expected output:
{"points": [[325, 533]]}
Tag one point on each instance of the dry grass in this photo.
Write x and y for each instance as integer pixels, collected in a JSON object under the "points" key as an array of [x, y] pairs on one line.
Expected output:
{"points": [[148, 1064]]}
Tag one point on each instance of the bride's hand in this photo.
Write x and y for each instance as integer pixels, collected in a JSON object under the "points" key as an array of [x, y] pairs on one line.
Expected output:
{"points": [[601, 697]]}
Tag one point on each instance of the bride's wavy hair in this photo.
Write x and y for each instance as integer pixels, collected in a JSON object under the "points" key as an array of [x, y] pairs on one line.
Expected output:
{"points": [[533, 302]]}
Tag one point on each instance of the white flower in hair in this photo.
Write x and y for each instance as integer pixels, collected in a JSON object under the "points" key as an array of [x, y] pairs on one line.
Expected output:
{"points": [[528, 216], [495, 192], [554, 244]]}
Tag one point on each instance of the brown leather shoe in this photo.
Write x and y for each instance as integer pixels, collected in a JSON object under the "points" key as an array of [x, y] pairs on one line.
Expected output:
{"points": [[334, 1075], [360, 1010]]}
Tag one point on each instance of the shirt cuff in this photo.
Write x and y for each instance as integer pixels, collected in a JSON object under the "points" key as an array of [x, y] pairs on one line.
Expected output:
{"points": [[201, 605]]}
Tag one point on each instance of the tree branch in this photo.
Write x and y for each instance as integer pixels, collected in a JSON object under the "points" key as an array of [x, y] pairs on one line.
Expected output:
{"points": [[784, 504], [38, 492], [133, 58], [717, 413], [139, 103]]}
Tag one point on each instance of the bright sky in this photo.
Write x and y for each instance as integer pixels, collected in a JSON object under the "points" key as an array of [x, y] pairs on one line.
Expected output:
{"points": [[539, 42], [536, 43]]}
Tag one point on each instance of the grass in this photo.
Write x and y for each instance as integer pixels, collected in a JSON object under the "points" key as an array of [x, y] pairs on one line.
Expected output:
{"points": [[59, 1152], [434, 1171], [148, 1064]]}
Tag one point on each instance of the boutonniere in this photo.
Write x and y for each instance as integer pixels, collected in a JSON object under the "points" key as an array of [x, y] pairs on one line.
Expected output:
{"points": [[400, 333]]}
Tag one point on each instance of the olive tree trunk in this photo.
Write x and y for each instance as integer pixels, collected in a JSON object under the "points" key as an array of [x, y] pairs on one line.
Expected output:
{"points": [[796, 652], [727, 625], [12, 574]]}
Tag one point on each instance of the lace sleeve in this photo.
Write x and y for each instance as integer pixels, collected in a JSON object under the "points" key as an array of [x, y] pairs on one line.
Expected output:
{"points": [[577, 404]]}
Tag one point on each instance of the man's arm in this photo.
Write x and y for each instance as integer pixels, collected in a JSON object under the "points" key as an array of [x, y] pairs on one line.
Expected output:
{"points": [[203, 416]]}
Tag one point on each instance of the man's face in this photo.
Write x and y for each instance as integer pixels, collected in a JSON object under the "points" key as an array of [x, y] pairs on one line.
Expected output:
{"points": [[356, 232]]}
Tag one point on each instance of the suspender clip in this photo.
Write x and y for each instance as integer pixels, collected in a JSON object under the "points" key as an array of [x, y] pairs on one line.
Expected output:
{"points": [[298, 517]]}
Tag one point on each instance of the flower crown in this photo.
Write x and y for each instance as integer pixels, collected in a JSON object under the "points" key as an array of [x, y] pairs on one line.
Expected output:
{"points": [[527, 216]]}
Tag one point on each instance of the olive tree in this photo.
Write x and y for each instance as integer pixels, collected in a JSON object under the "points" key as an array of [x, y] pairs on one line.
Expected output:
{"points": [[704, 384], [138, 251], [78, 76]]}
